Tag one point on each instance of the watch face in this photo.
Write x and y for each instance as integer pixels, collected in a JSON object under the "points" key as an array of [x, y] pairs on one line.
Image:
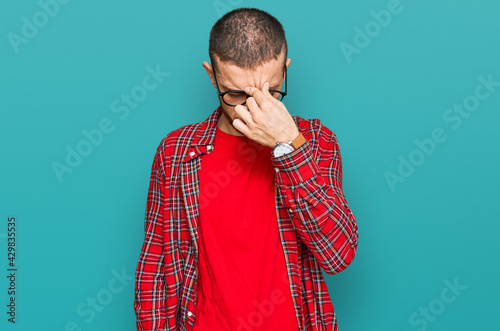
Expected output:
{"points": [[282, 149]]}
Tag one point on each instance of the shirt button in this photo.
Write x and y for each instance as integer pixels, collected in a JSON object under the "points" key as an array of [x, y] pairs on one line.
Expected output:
{"points": [[209, 147], [191, 154], [190, 313], [276, 169], [290, 210]]}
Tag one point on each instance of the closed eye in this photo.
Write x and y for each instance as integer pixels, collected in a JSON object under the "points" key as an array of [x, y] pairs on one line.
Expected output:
{"points": [[236, 94]]}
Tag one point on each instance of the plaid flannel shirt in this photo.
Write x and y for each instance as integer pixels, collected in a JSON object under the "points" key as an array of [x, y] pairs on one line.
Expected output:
{"points": [[316, 227]]}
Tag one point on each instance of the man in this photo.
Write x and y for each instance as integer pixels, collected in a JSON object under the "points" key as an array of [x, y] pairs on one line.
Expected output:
{"points": [[246, 207]]}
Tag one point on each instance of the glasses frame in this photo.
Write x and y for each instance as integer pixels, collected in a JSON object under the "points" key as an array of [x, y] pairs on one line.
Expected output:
{"points": [[221, 94]]}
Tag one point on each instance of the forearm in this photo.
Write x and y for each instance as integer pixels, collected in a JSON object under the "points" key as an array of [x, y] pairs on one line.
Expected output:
{"points": [[312, 192]]}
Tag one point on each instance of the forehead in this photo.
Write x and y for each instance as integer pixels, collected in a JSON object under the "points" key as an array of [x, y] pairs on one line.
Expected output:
{"points": [[232, 76]]}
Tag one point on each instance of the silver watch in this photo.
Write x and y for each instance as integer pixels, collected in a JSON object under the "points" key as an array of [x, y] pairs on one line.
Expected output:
{"points": [[282, 148]]}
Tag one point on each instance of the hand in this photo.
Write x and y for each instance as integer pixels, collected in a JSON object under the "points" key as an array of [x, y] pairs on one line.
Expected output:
{"points": [[265, 119]]}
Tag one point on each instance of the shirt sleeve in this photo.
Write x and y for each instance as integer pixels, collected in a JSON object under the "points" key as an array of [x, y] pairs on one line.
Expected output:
{"points": [[149, 302], [310, 181]]}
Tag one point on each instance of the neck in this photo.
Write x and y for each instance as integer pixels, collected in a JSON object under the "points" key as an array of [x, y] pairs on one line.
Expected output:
{"points": [[224, 123]]}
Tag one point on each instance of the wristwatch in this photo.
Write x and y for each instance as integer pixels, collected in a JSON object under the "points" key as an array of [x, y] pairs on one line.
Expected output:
{"points": [[285, 148]]}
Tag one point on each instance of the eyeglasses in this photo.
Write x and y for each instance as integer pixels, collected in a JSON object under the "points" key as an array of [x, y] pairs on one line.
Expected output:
{"points": [[238, 97]]}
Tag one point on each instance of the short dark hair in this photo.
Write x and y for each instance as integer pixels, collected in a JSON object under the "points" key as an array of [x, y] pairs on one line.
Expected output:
{"points": [[247, 37]]}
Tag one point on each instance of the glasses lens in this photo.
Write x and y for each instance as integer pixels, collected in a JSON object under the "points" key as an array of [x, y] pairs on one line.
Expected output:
{"points": [[235, 98], [276, 95]]}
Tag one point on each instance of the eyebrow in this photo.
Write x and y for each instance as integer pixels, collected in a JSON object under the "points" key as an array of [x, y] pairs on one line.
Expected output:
{"points": [[226, 88]]}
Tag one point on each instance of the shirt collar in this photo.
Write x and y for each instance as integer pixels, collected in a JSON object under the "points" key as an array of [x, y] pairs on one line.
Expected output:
{"points": [[203, 137]]}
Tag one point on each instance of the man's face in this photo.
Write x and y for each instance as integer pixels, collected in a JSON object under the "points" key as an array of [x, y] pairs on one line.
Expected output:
{"points": [[232, 77]]}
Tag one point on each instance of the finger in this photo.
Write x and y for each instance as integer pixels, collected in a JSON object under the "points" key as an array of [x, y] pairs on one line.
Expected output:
{"points": [[265, 96], [241, 126], [257, 94], [243, 114], [265, 91], [242, 106], [252, 105]]}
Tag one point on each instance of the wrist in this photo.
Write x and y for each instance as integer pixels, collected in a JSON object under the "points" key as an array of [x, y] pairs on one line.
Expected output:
{"points": [[290, 136], [289, 146]]}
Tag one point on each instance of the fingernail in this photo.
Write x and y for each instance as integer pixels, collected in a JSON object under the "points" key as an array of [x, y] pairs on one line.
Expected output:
{"points": [[247, 89]]}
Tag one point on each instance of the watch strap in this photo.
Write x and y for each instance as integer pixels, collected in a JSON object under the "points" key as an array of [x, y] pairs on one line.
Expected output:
{"points": [[298, 141]]}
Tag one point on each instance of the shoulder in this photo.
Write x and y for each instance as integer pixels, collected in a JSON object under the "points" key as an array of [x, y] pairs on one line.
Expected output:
{"points": [[174, 146], [174, 138]]}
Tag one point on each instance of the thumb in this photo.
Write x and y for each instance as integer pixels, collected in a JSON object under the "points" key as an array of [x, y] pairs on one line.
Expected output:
{"points": [[265, 89]]}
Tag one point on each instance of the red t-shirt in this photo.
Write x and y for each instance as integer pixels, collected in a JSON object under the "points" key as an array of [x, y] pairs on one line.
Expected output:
{"points": [[242, 280]]}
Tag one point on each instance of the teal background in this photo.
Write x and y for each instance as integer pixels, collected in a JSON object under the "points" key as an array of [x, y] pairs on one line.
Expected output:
{"points": [[439, 224]]}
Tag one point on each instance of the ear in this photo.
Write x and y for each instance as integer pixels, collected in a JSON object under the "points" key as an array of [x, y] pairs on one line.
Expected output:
{"points": [[208, 68], [287, 63]]}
